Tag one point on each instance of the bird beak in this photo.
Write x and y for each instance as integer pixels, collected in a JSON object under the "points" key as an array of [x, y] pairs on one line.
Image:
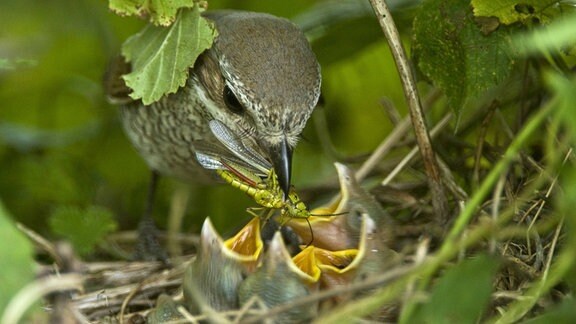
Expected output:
{"points": [[281, 155]]}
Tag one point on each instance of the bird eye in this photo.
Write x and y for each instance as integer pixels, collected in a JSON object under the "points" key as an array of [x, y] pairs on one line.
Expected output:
{"points": [[232, 102]]}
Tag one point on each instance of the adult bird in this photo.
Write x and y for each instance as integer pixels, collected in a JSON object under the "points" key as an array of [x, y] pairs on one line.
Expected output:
{"points": [[260, 79]]}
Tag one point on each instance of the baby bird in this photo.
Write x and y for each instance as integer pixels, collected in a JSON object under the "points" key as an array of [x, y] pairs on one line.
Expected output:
{"points": [[277, 282]]}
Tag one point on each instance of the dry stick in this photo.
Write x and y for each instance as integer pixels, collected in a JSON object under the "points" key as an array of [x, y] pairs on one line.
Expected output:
{"points": [[400, 129], [391, 111], [480, 143], [495, 210], [439, 201], [547, 196], [564, 261], [433, 262], [140, 287], [37, 289], [371, 282], [42, 243], [453, 239], [450, 182], [187, 316], [127, 300], [413, 152], [384, 147]]}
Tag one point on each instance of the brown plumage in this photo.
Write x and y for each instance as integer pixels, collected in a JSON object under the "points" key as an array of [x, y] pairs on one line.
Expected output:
{"points": [[260, 79]]}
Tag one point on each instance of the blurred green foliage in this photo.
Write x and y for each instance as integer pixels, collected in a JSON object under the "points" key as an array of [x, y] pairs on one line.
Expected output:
{"points": [[468, 285], [18, 264], [83, 228], [563, 313]]}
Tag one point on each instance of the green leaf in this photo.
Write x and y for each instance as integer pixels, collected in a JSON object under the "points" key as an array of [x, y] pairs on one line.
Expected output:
{"points": [[563, 313], [159, 12], [523, 11], [564, 93], [83, 228], [452, 52], [161, 56], [17, 261], [461, 295], [565, 90]]}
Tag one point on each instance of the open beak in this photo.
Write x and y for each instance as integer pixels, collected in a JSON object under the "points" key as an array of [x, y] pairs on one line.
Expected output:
{"points": [[281, 155]]}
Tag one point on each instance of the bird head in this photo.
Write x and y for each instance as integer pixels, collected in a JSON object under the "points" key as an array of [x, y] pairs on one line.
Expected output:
{"points": [[262, 80]]}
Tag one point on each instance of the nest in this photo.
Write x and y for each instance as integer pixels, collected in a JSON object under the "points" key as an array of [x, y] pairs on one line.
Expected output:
{"points": [[510, 219]]}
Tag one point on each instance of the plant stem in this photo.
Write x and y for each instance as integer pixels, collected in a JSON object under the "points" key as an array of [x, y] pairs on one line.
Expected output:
{"points": [[439, 201]]}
